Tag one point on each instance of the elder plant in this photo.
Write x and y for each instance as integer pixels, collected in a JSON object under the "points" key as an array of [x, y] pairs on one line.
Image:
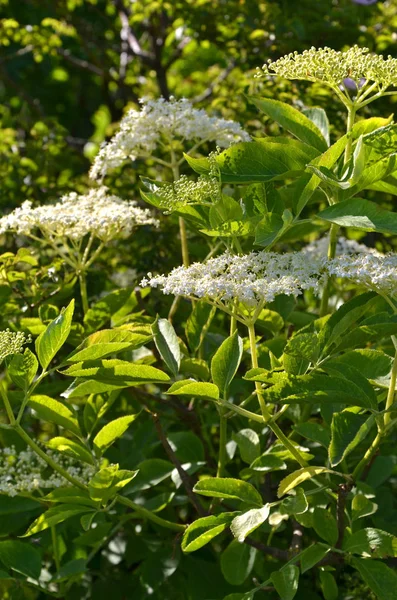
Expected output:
{"points": [[254, 431]]}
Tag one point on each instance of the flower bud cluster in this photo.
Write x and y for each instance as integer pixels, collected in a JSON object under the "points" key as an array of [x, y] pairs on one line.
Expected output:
{"points": [[333, 66], [26, 472], [12, 343], [105, 216], [142, 131], [186, 191], [252, 279]]}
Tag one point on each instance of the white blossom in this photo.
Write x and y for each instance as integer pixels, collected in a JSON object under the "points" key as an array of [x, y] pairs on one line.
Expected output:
{"points": [[25, 471], [158, 121], [252, 279], [74, 216], [378, 273], [319, 248]]}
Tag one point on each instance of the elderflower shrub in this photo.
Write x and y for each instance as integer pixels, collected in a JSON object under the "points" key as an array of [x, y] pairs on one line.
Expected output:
{"points": [[25, 471], [333, 66], [75, 216], [12, 343], [158, 122], [252, 279]]}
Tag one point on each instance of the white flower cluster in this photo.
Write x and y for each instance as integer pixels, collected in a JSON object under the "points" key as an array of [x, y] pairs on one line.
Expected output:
{"points": [[26, 472], [375, 272], [333, 66], [184, 191], [319, 248], [12, 343], [105, 216], [141, 132], [252, 279]]}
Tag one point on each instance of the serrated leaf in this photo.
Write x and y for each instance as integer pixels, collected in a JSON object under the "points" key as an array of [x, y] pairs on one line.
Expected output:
{"points": [[347, 431], [286, 581], [54, 336], [362, 507], [297, 504], [56, 412], [21, 557], [227, 487], [106, 342], [203, 530], [71, 448], [378, 576], [298, 477], [267, 463], [167, 344], [55, 515], [244, 524], [372, 542], [189, 387], [111, 432], [23, 368], [249, 444], [361, 214], [225, 362]]}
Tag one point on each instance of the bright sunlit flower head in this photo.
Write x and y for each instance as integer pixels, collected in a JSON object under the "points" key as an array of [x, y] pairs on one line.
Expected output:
{"points": [[162, 121], [252, 279], [377, 273], [104, 216], [319, 248], [12, 343], [333, 67]]}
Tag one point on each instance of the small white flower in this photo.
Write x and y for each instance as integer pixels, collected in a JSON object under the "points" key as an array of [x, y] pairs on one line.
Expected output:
{"points": [[141, 132], [319, 248], [378, 273]]}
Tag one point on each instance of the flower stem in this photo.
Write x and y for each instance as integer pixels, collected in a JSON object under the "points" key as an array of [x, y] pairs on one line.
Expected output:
{"points": [[149, 515], [265, 412], [83, 291], [222, 442]]}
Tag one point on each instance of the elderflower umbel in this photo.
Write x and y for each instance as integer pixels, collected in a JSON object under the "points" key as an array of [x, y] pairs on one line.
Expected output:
{"points": [[104, 216], [252, 279], [319, 248], [142, 131], [333, 66], [185, 191], [11, 343], [25, 471], [378, 273]]}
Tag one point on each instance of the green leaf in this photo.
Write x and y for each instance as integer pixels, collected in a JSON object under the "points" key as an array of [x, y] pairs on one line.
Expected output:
{"points": [[372, 542], [108, 481], [226, 487], [325, 525], [298, 477], [203, 530], [108, 341], [378, 576], [186, 445], [347, 431], [70, 495], [55, 515], [111, 432], [292, 120], [352, 172], [21, 557], [225, 363], [110, 374], [265, 159], [314, 431], [372, 363], [189, 387], [299, 352], [237, 562], [56, 412], [361, 214], [71, 448], [249, 444], [328, 586], [167, 344], [319, 117], [151, 472], [317, 388], [286, 581], [244, 524], [16, 504], [295, 505], [55, 335], [23, 368], [312, 555], [362, 507]]}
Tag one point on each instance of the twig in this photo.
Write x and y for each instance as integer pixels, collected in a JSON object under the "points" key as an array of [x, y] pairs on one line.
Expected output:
{"points": [[181, 471], [275, 552], [343, 491], [297, 538]]}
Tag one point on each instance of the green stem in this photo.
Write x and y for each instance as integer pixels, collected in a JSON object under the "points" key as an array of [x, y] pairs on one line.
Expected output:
{"points": [[265, 412], [184, 244], [83, 291], [386, 421], [55, 548], [222, 443], [149, 515]]}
